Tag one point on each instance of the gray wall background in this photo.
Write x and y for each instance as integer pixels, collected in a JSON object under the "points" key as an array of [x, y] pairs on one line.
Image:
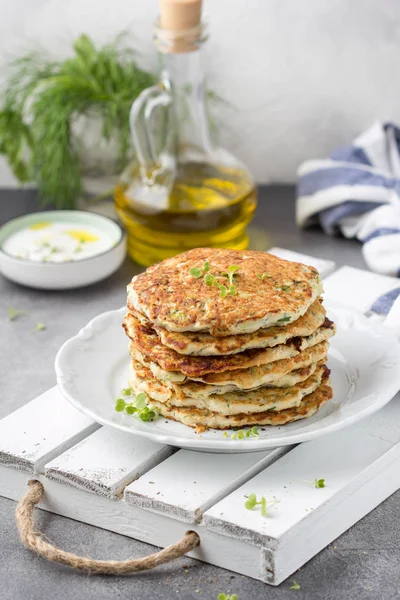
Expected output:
{"points": [[303, 76]]}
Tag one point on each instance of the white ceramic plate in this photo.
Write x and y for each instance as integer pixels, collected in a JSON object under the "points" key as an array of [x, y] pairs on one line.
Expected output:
{"points": [[364, 358]]}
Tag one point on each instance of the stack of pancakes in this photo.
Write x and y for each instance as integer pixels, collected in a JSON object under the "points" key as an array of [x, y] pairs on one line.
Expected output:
{"points": [[223, 338]]}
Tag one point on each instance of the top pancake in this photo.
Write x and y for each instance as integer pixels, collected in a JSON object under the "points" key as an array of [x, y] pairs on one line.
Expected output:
{"points": [[172, 298]]}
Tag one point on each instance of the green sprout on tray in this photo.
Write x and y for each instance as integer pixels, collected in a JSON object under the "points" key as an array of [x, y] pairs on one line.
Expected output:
{"points": [[319, 483], [252, 502]]}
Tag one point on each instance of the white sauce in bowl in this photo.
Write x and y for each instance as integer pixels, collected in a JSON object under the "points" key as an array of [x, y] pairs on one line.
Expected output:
{"points": [[57, 242]]}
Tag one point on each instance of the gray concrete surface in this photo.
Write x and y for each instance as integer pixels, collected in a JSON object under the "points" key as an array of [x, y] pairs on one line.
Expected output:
{"points": [[364, 563]]}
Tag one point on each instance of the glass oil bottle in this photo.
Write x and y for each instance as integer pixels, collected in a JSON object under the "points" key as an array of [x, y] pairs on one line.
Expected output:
{"points": [[182, 190]]}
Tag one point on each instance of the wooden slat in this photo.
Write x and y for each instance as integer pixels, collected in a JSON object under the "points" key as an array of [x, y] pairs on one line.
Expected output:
{"points": [[116, 515], [106, 461], [188, 483], [347, 460], [40, 430]]}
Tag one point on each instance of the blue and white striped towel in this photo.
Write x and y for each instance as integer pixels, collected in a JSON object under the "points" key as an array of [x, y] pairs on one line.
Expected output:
{"points": [[357, 191]]}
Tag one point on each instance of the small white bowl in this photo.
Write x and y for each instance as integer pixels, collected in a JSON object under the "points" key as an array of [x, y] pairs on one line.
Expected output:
{"points": [[63, 275]]}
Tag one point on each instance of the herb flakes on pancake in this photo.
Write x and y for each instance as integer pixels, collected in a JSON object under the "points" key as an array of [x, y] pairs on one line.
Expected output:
{"points": [[171, 297]]}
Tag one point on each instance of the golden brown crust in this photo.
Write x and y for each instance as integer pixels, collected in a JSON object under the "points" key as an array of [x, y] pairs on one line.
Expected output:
{"points": [[237, 402], [202, 419], [146, 341], [204, 344], [244, 377], [170, 297]]}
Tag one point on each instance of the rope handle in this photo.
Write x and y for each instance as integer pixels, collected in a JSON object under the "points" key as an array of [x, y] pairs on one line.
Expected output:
{"points": [[33, 540]]}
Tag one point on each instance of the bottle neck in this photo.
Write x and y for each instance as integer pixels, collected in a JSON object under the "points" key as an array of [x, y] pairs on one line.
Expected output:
{"points": [[182, 73]]}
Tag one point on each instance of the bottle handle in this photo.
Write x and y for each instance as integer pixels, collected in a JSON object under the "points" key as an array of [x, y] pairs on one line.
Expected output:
{"points": [[140, 121]]}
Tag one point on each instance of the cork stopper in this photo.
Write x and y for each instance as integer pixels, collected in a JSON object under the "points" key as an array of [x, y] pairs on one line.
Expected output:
{"points": [[180, 15]]}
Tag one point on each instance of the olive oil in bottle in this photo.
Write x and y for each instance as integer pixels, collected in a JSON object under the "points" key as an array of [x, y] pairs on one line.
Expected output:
{"points": [[181, 191]]}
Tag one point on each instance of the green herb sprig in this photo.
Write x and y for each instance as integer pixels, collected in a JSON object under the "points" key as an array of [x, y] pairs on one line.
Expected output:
{"points": [[319, 483], [138, 407], [211, 280], [197, 272], [294, 586], [252, 502], [230, 275], [14, 313], [44, 97]]}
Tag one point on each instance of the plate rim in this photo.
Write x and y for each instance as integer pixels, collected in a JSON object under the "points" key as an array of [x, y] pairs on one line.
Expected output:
{"points": [[210, 445]]}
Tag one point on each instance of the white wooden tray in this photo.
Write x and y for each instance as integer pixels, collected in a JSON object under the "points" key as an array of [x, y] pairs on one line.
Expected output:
{"points": [[154, 493]]}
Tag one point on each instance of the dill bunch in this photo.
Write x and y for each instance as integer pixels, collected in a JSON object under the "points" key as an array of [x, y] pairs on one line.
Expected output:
{"points": [[44, 98]]}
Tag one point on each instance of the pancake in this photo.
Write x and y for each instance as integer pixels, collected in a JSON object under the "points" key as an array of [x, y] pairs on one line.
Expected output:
{"points": [[267, 291], [204, 344], [163, 390], [203, 419], [249, 378], [259, 376], [146, 342], [233, 403]]}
